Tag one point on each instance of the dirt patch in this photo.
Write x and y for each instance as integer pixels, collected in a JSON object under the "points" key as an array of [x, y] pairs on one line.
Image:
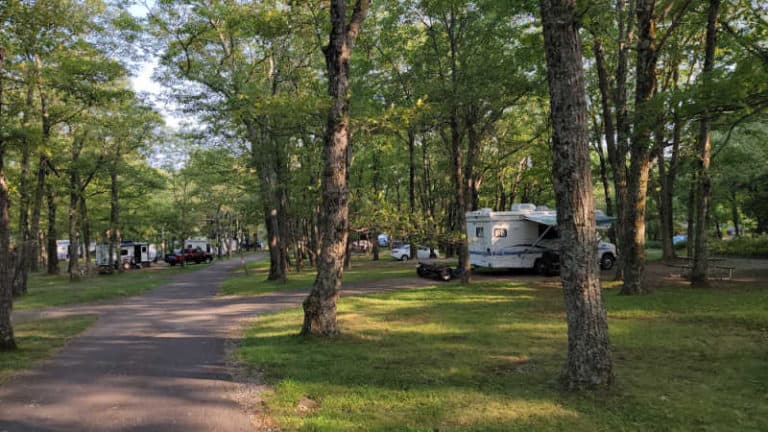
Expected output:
{"points": [[745, 273]]}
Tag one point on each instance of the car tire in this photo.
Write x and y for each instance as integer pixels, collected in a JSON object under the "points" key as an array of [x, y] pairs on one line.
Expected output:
{"points": [[445, 274], [541, 267], [607, 261], [404, 258]]}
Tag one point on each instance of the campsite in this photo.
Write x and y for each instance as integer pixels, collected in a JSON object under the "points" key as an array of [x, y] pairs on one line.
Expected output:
{"points": [[390, 215]]}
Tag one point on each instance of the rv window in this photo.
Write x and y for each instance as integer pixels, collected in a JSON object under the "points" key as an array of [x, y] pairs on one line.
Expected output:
{"points": [[479, 232], [499, 232], [124, 252]]}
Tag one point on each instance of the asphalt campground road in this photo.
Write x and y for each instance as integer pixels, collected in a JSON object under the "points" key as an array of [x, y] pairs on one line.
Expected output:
{"points": [[156, 362]]}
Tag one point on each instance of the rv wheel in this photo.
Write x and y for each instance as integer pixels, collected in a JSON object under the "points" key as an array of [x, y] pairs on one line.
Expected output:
{"points": [[445, 274], [404, 258], [607, 261], [541, 267]]}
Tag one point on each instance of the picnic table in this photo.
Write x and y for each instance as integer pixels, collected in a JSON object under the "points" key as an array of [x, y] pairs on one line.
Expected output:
{"points": [[686, 265]]}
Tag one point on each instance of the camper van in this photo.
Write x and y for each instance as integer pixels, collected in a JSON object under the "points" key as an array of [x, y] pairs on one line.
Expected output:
{"points": [[523, 238], [134, 254]]}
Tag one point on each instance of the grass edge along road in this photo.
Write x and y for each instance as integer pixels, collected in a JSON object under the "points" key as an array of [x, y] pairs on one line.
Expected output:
{"points": [[486, 357], [40, 339], [50, 291], [363, 269]]}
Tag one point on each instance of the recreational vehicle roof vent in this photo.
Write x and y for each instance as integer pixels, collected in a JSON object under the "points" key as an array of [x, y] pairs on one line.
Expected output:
{"points": [[542, 208], [485, 211], [524, 207]]}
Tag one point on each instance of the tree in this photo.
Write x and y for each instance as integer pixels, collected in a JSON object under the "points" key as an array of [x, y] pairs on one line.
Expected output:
{"points": [[589, 356], [7, 340], [333, 226], [704, 153]]}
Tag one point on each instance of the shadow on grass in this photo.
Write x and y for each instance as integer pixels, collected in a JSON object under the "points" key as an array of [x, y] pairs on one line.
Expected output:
{"points": [[486, 357]]}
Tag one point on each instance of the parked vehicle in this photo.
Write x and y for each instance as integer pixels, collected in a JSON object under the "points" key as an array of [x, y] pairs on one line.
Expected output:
{"points": [[403, 253], [191, 255], [361, 245], [524, 238], [134, 254], [383, 240]]}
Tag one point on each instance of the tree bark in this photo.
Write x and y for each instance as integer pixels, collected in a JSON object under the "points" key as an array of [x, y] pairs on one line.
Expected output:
{"points": [[639, 167], [85, 227], [53, 255], [320, 304], [42, 170], [589, 363], [74, 204], [7, 339], [704, 150], [619, 158]]}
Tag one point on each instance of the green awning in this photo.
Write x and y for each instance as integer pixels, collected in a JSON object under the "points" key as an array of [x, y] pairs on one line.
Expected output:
{"points": [[551, 220]]}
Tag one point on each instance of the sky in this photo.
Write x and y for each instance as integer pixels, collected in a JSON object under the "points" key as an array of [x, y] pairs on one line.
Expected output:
{"points": [[142, 81]]}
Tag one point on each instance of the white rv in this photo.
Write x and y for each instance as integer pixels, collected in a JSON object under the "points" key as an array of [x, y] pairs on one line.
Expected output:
{"points": [[134, 254], [523, 238]]}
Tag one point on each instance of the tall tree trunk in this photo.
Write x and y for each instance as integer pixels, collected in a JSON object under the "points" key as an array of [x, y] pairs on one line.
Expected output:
{"points": [[44, 162], [459, 206], [691, 216], [278, 268], [320, 304], [589, 361], [637, 181], [735, 214], [7, 339], [74, 201], [24, 243], [619, 158], [115, 235], [704, 151], [668, 176], [86, 230], [53, 253]]}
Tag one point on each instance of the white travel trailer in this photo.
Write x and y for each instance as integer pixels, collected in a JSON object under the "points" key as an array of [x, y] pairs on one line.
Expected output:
{"points": [[134, 254], [524, 238]]}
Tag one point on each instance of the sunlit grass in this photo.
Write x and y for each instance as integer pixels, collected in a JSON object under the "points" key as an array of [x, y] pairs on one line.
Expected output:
{"points": [[486, 357], [37, 340], [363, 269], [47, 291]]}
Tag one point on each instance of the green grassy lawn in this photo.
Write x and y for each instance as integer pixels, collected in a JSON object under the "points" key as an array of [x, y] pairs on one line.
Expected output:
{"points": [[486, 358], [47, 291], [37, 340], [363, 269]]}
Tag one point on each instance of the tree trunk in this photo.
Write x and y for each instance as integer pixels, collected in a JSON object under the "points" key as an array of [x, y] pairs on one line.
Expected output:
{"points": [[589, 361], [114, 215], [25, 248], [42, 169], [637, 181], [86, 230], [735, 214], [74, 201], [53, 253], [7, 340], [704, 151], [320, 304], [618, 158]]}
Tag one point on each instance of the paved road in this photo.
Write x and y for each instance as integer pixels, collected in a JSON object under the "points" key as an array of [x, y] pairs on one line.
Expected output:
{"points": [[151, 363]]}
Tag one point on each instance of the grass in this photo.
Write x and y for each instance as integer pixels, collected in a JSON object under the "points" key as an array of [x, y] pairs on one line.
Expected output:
{"points": [[486, 358], [363, 270], [48, 291], [37, 340]]}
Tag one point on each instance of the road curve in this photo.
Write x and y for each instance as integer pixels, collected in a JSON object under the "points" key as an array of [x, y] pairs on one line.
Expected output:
{"points": [[151, 363]]}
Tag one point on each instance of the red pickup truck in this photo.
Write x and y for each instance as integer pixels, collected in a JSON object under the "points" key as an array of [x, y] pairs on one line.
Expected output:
{"points": [[195, 255]]}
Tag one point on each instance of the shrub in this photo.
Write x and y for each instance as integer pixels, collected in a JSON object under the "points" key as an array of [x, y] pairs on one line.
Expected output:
{"points": [[752, 247]]}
